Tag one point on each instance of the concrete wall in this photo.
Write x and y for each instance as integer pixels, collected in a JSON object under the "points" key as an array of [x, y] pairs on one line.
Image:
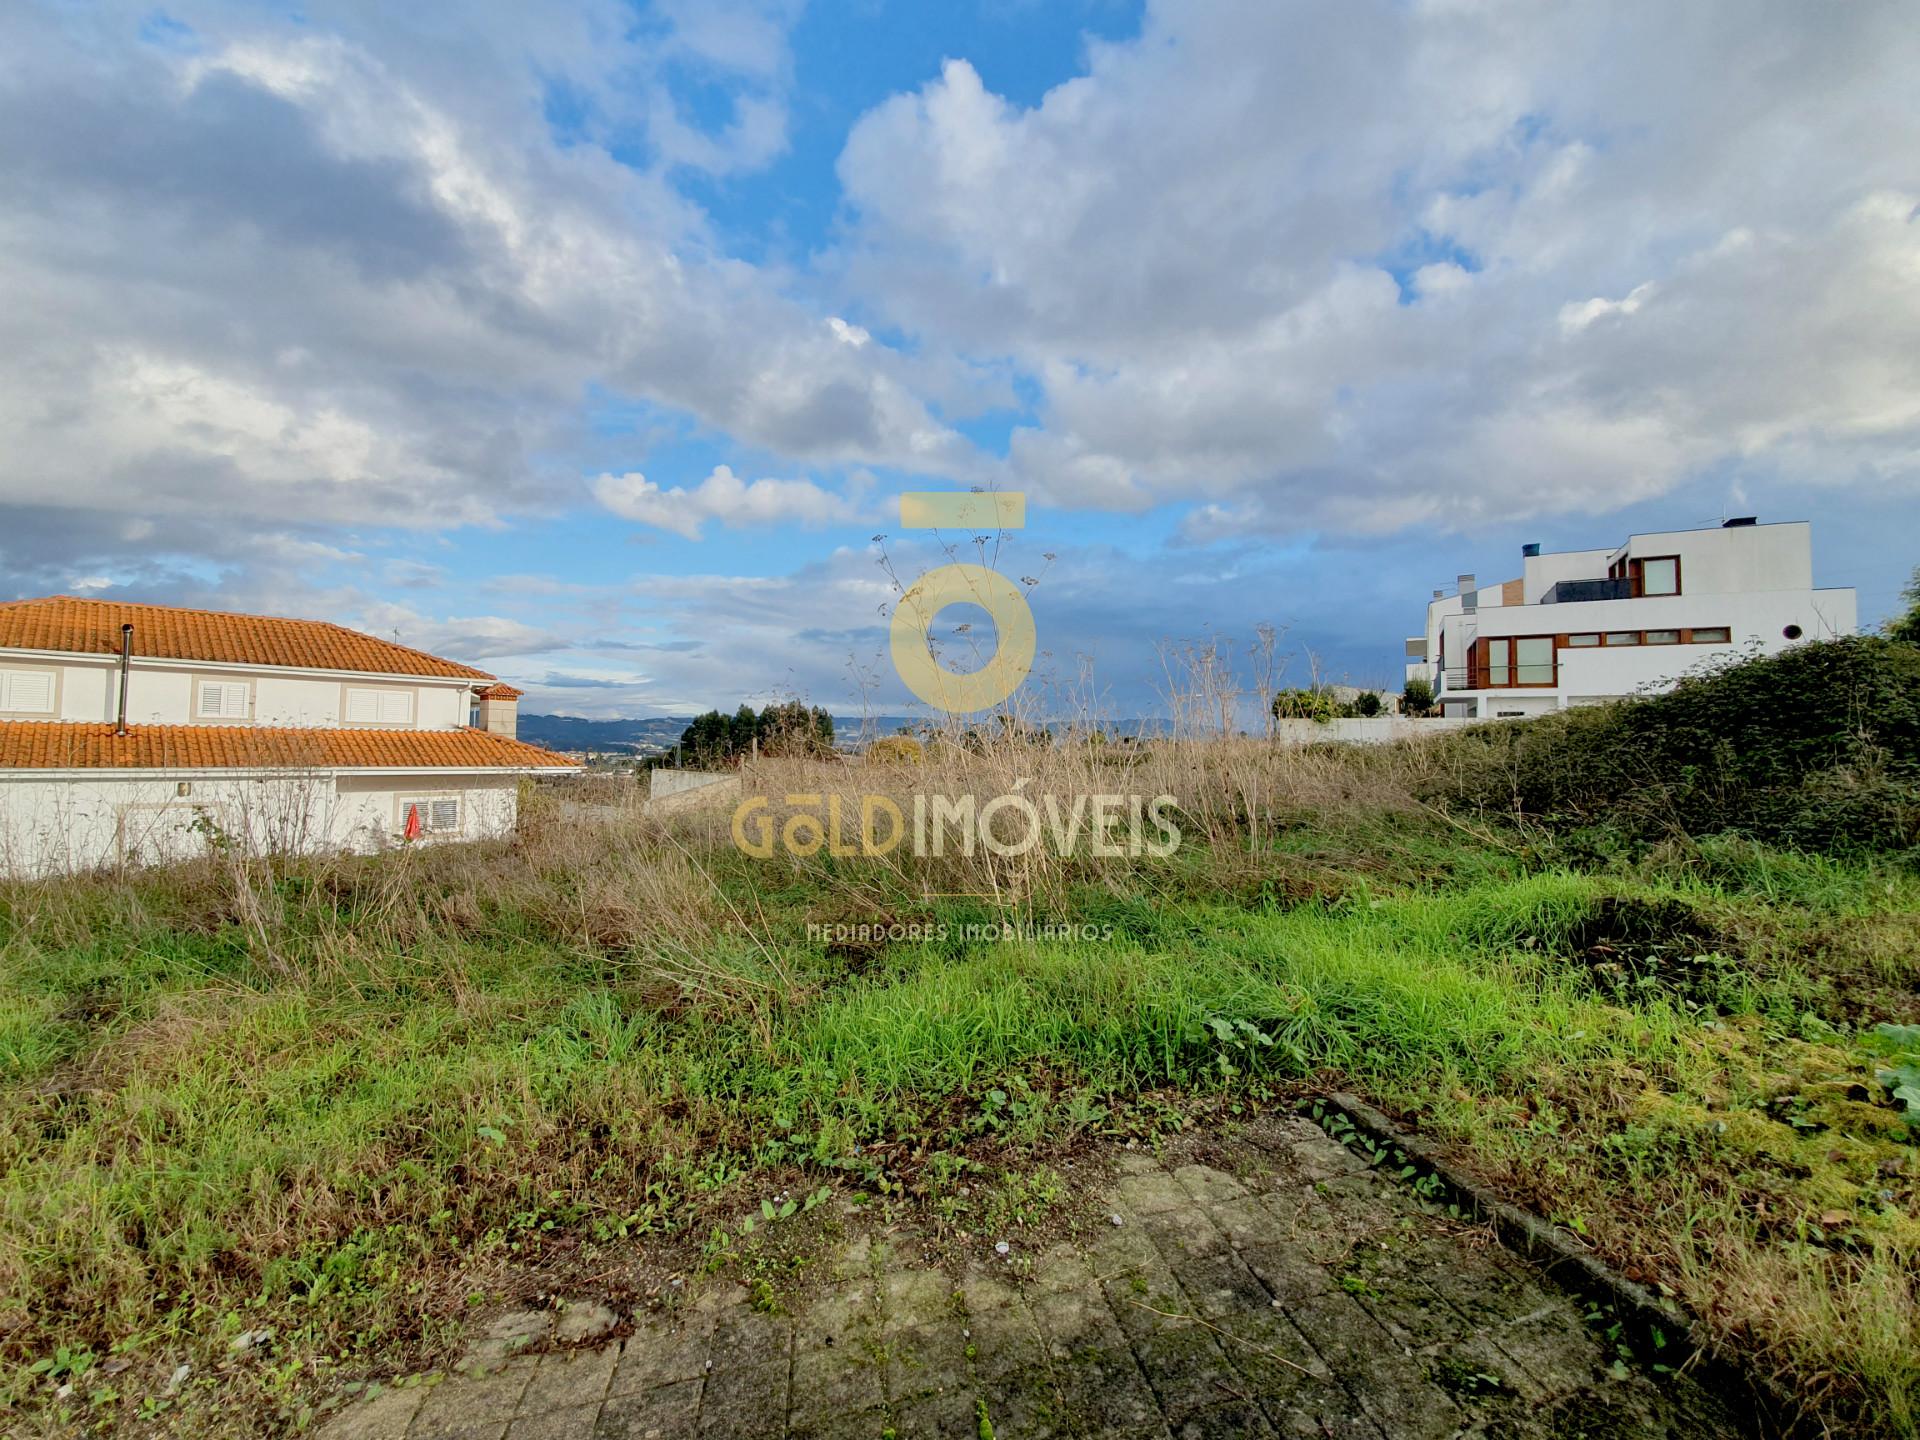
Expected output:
{"points": [[1378, 731], [53, 826], [672, 791]]}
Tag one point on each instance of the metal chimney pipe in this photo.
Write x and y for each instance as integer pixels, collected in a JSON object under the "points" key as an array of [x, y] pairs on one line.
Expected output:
{"points": [[126, 664]]}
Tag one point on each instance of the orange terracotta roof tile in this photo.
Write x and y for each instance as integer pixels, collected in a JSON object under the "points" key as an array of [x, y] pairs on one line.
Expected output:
{"points": [[167, 632], [499, 690], [66, 745]]}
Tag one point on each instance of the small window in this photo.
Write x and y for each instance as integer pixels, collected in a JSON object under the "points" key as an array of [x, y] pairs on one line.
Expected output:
{"points": [[224, 700], [1660, 576], [1623, 637], [367, 706], [26, 692], [1663, 637], [438, 814], [1712, 635], [1582, 642]]}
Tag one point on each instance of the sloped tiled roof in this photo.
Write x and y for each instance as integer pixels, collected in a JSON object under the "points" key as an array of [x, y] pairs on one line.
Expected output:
{"points": [[66, 745], [499, 690], [167, 632]]}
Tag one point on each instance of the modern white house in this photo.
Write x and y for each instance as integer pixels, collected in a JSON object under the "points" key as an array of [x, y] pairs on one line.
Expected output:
{"points": [[1580, 627], [136, 733]]}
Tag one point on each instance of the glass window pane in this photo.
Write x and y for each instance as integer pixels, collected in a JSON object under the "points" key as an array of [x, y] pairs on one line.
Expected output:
{"points": [[1663, 637], [1623, 637], [1577, 642], [1499, 675], [1497, 652], [1712, 635], [1660, 577], [1533, 661]]}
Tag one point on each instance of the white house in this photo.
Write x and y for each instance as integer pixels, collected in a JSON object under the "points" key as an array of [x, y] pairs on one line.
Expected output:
{"points": [[1585, 626], [133, 733]]}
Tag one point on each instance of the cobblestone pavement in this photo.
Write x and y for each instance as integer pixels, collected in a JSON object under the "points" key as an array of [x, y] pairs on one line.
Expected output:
{"points": [[1301, 1296]]}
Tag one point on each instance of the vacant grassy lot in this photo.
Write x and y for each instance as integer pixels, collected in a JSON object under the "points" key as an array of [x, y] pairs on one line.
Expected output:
{"points": [[344, 1101]]}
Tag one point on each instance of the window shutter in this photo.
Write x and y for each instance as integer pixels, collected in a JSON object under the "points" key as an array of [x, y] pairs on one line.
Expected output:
{"points": [[394, 707], [363, 706], [26, 690], [446, 815], [223, 700]]}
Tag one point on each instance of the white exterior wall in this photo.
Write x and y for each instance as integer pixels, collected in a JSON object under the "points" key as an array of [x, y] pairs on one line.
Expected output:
{"points": [[163, 692], [78, 822]]}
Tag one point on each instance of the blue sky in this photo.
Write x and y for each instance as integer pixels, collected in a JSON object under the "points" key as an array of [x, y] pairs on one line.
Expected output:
{"points": [[594, 344]]}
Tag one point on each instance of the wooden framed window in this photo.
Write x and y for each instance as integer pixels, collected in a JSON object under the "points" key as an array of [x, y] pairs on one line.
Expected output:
{"points": [[1509, 662], [1655, 575], [223, 700], [1662, 637], [1710, 635], [439, 814], [1582, 642], [1623, 637], [374, 705], [27, 692]]}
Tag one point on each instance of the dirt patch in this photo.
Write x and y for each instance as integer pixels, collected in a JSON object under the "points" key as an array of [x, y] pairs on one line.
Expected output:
{"points": [[1632, 943]]}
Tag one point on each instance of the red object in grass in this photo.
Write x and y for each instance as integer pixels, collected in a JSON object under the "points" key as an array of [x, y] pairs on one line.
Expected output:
{"points": [[414, 827]]}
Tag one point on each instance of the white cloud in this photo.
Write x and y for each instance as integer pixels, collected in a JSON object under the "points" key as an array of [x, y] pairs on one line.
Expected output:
{"points": [[722, 496], [1372, 265]]}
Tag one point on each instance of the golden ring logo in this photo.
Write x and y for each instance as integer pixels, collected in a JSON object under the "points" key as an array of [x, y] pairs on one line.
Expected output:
{"points": [[954, 691]]}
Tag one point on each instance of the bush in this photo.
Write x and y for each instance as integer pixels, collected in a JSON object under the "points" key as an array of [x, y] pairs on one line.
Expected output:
{"points": [[1817, 746], [1417, 698], [1316, 705], [1367, 705]]}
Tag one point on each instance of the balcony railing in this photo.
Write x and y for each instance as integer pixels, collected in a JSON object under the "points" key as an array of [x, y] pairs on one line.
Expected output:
{"points": [[1567, 592]]}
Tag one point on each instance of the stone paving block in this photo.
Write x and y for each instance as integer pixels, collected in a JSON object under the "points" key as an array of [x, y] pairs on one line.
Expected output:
{"points": [[1004, 1344], [1220, 1422], [842, 1379], [1318, 1156], [745, 1399], [1076, 1319], [749, 1337], [1025, 1405], [383, 1417], [928, 1359], [1184, 1232], [1208, 1186], [1286, 1273], [659, 1356], [1188, 1372], [1104, 1392], [573, 1423], [651, 1414], [1137, 1162], [569, 1379], [462, 1401], [1220, 1284], [950, 1415], [915, 1297], [1392, 1387], [1151, 1192]]}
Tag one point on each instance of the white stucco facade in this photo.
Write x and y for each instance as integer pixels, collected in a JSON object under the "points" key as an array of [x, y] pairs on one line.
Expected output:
{"points": [[1588, 626], [72, 822]]}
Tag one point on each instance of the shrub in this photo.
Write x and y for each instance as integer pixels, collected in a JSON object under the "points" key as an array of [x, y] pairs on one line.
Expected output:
{"points": [[1316, 705], [1817, 746], [1367, 705], [1417, 698]]}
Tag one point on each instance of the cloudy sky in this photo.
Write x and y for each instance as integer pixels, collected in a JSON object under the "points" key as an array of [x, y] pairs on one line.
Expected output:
{"points": [[594, 342]]}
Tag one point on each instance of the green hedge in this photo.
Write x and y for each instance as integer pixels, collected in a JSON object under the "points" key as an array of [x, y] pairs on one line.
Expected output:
{"points": [[1818, 746]]}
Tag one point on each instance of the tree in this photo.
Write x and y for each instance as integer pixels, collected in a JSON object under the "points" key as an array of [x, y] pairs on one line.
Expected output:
{"points": [[1366, 705], [1417, 698], [1906, 628]]}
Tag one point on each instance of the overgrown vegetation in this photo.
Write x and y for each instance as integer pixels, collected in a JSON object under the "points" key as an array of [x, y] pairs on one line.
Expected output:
{"points": [[335, 1106]]}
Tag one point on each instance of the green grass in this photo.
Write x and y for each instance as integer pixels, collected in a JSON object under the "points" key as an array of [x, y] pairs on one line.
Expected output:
{"points": [[336, 1137]]}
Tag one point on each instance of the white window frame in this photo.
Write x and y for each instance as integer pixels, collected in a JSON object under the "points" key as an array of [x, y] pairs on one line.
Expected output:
{"points": [[12, 678], [426, 804], [226, 690], [394, 708]]}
